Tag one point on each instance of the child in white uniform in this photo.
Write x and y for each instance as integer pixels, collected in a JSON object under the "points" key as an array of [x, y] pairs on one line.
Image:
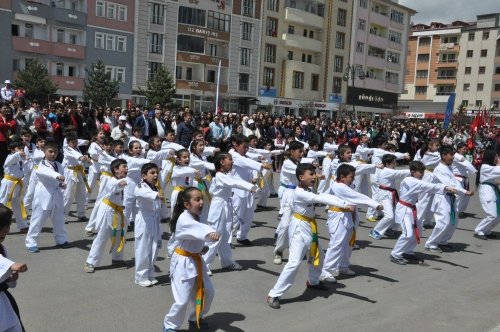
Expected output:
{"points": [[200, 163], [462, 168], [182, 175], [36, 158], [191, 284], [331, 148], [94, 151]]}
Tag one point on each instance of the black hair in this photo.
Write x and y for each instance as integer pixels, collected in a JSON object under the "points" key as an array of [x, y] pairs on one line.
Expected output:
{"points": [[137, 128], [152, 139], [417, 166], [71, 136], [460, 145], [146, 167], [116, 164], [313, 142], [106, 140], [118, 142], [295, 145], [446, 149], [330, 134], [5, 216], [169, 130], [15, 144], [196, 133], [183, 197], [38, 139], [240, 139], [302, 168], [51, 145], [388, 159], [426, 145], [343, 149], [26, 131], [179, 153], [379, 141], [344, 170], [194, 143], [131, 144], [219, 157], [390, 146], [489, 156], [251, 137]]}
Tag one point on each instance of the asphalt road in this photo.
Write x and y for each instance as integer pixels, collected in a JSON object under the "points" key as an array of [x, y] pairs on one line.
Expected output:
{"points": [[455, 291]]}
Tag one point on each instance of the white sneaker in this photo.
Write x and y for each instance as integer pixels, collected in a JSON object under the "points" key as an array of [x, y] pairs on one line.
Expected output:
{"points": [[209, 273], [328, 278], [277, 259], [347, 272], [144, 283], [154, 281]]}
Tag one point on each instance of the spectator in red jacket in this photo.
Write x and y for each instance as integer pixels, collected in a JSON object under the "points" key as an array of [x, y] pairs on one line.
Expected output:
{"points": [[7, 127]]}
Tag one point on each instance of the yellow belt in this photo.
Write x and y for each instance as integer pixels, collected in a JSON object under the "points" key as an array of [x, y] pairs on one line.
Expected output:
{"points": [[338, 209], [80, 170], [118, 212], [200, 293], [204, 190], [107, 174], [429, 169], [314, 251], [170, 171], [352, 241], [260, 180], [35, 167], [179, 188], [160, 189], [17, 182], [362, 161]]}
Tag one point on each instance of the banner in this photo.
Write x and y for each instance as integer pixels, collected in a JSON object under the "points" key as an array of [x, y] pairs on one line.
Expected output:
{"points": [[449, 111]]}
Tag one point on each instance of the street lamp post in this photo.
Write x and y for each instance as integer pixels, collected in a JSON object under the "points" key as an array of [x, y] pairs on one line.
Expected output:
{"points": [[350, 74]]}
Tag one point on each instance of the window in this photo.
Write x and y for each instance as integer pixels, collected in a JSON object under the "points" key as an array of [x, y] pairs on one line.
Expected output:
{"points": [[363, 3], [211, 76], [99, 9], [392, 78], [157, 13], [470, 53], [244, 82], [397, 16], [192, 44], [189, 73], [338, 64], [466, 86], [340, 40], [291, 29], [337, 85], [311, 34], [73, 39], [484, 53], [270, 53], [246, 31], [497, 87], [272, 27], [111, 11], [99, 40], [290, 55], [480, 86], [479, 103], [314, 82], [465, 103], [14, 29], [486, 35], [272, 5], [424, 41], [305, 33], [303, 57], [218, 21], [448, 57], [482, 70], [422, 73], [447, 73], [245, 57], [122, 13], [121, 43], [110, 42], [362, 24], [342, 17], [152, 68], [376, 52], [28, 30], [59, 69], [468, 70], [395, 36], [116, 73], [420, 90], [248, 7], [71, 71], [156, 42], [60, 36], [298, 79], [178, 72], [309, 58], [445, 90], [449, 40], [268, 76], [393, 57], [360, 47], [471, 36], [192, 16], [423, 58], [292, 4], [213, 49]]}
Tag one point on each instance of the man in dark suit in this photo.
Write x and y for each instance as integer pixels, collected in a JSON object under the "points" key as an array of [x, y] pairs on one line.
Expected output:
{"points": [[142, 121], [158, 127], [275, 129]]}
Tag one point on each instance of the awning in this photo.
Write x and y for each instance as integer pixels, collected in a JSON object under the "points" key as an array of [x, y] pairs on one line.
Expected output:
{"points": [[30, 18]]}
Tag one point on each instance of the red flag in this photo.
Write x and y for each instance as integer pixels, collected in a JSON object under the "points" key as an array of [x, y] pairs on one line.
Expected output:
{"points": [[492, 121]]}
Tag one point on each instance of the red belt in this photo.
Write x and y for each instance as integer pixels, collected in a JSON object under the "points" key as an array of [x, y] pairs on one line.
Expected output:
{"points": [[394, 193], [414, 211]]}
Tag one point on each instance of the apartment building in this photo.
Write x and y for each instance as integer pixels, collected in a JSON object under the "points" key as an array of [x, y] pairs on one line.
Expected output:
{"points": [[478, 79], [379, 47], [432, 66]]}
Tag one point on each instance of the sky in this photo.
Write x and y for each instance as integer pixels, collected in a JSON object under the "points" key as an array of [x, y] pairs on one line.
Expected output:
{"points": [[446, 11]]}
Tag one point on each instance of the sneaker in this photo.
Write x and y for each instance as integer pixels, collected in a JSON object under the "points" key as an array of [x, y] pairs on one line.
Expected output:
{"points": [[64, 245], [278, 259], [329, 279], [374, 235], [33, 249], [274, 302], [233, 267], [209, 273], [89, 233], [89, 268], [429, 226], [411, 257], [390, 232], [319, 286], [194, 325], [400, 261], [347, 272], [434, 249], [480, 236], [245, 242], [372, 219], [154, 281], [83, 219], [144, 283], [273, 195]]}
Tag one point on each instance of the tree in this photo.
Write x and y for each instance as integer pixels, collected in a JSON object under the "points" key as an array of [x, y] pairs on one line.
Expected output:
{"points": [[35, 80], [99, 87], [160, 88]]}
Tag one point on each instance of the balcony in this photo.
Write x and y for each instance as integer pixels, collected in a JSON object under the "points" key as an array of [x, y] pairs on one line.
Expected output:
{"points": [[393, 65], [381, 18], [447, 64], [201, 58], [424, 65], [392, 86], [304, 43], [424, 48], [374, 84], [38, 46], [449, 47], [376, 61], [297, 16], [68, 83], [378, 40], [69, 16], [395, 46], [199, 86]]}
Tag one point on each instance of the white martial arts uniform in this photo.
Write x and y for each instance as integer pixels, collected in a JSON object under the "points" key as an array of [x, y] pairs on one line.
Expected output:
{"points": [[461, 169], [10, 189], [182, 178], [325, 183], [147, 231], [95, 149], [190, 236], [220, 216], [410, 189], [29, 151], [363, 156], [36, 157], [444, 207], [489, 196], [112, 193], [201, 164], [48, 202], [9, 322], [430, 161], [75, 182], [342, 228], [158, 158], [301, 238], [388, 196], [144, 145], [134, 165]]}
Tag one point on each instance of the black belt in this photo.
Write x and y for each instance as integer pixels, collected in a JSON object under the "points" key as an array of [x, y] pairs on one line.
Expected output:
{"points": [[4, 288]]}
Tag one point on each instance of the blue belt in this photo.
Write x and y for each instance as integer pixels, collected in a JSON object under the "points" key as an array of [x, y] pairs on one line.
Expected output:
{"points": [[289, 186]]}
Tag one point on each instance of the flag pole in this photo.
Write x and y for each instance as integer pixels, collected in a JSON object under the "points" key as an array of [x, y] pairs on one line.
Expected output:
{"points": [[217, 90]]}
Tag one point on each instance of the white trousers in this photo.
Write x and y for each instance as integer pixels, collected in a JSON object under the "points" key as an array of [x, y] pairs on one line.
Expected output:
{"points": [[387, 220], [147, 247], [129, 201], [424, 214], [75, 188], [444, 229], [184, 292], [339, 252], [38, 219], [298, 248], [490, 220], [371, 212], [406, 242], [221, 247], [282, 229], [242, 216], [103, 240], [94, 175], [30, 191]]}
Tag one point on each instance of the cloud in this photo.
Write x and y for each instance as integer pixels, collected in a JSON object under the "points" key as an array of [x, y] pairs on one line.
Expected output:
{"points": [[447, 11]]}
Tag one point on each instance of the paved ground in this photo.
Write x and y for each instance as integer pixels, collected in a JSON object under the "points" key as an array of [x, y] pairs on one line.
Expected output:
{"points": [[455, 291]]}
